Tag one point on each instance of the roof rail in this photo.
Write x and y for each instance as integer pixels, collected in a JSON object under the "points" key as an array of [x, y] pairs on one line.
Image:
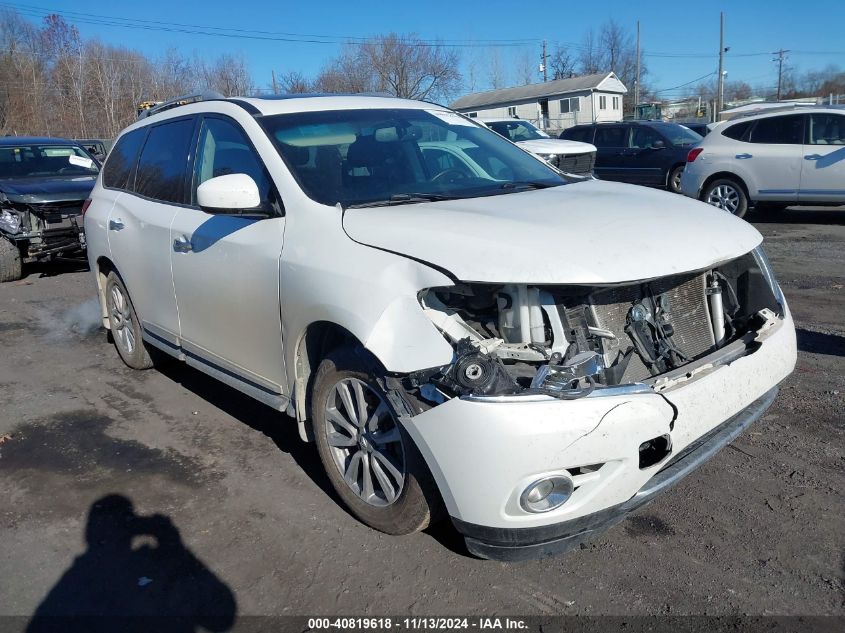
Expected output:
{"points": [[208, 95], [772, 108]]}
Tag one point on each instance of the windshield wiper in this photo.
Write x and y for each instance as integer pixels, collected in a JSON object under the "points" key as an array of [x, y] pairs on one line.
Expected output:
{"points": [[405, 198], [527, 184]]}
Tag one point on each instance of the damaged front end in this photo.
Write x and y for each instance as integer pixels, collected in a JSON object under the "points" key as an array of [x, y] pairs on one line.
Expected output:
{"points": [[572, 341], [43, 230]]}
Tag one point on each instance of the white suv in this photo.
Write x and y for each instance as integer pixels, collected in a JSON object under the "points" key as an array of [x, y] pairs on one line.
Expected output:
{"points": [[572, 157], [772, 159], [533, 355]]}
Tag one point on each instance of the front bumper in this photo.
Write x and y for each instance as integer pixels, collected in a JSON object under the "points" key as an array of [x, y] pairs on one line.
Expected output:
{"points": [[531, 543], [483, 453]]}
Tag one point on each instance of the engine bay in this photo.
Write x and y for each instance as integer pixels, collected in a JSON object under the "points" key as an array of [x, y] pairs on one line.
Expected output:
{"points": [[566, 341]]}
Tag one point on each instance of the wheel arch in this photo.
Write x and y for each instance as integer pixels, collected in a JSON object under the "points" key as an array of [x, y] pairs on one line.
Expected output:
{"points": [[728, 175], [672, 168], [314, 343], [104, 267]]}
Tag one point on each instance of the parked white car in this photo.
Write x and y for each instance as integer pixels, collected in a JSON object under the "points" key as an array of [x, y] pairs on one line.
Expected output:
{"points": [[776, 158], [532, 355], [573, 157]]}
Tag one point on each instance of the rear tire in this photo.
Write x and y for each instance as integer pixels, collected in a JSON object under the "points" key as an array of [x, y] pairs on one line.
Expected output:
{"points": [[125, 326], [673, 182], [370, 459], [727, 194], [10, 261]]}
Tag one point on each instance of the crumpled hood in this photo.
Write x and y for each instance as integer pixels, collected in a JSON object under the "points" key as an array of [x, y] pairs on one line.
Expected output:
{"points": [[44, 190], [590, 232], [556, 146]]}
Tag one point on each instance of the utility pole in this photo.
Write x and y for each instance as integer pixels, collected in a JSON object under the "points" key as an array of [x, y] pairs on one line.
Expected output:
{"points": [[543, 63], [637, 84], [779, 59], [275, 87], [720, 93]]}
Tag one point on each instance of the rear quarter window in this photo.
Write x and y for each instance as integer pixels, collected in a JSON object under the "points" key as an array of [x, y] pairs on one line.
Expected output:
{"points": [[738, 131], [583, 134], [122, 159]]}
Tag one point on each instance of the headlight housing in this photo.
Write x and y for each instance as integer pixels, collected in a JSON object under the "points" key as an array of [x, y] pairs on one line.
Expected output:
{"points": [[10, 221], [769, 275]]}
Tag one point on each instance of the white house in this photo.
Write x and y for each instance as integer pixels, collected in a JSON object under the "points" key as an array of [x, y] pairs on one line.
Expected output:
{"points": [[556, 104]]}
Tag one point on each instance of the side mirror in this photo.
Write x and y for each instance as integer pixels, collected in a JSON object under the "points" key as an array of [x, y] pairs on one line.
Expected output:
{"points": [[228, 194], [658, 144]]}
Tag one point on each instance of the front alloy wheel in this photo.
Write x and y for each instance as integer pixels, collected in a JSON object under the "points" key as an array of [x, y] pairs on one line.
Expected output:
{"points": [[371, 461], [365, 442]]}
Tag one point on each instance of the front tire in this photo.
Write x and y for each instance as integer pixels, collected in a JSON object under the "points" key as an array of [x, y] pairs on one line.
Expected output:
{"points": [[10, 261], [371, 461], [125, 327], [728, 195]]}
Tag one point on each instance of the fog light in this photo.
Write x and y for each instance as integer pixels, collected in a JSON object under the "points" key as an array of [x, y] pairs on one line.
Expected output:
{"points": [[546, 494]]}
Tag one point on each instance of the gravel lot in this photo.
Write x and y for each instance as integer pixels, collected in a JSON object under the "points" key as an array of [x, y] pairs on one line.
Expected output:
{"points": [[246, 522]]}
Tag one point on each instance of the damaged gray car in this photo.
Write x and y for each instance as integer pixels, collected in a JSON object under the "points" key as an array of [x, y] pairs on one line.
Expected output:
{"points": [[44, 183]]}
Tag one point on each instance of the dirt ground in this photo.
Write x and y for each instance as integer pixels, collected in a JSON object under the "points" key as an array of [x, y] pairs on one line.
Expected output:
{"points": [[99, 463]]}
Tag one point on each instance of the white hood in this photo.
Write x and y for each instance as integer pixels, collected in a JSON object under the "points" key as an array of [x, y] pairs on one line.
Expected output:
{"points": [[556, 146], [590, 232]]}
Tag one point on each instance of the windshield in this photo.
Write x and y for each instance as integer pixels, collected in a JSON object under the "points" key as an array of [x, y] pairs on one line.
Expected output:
{"points": [[516, 131], [680, 135], [40, 161], [361, 157]]}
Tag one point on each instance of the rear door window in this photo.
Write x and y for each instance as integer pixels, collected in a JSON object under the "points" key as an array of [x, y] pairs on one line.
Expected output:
{"points": [[163, 166], [779, 130], [122, 159]]}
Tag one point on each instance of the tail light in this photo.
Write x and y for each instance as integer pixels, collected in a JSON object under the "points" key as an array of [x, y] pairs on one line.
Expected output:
{"points": [[693, 154], [85, 206]]}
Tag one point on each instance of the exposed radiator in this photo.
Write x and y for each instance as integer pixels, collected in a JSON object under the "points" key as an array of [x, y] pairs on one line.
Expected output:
{"points": [[688, 314]]}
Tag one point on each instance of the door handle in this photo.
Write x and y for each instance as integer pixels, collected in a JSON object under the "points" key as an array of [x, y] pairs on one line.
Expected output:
{"points": [[115, 225], [182, 245], [812, 157], [743, 156]]}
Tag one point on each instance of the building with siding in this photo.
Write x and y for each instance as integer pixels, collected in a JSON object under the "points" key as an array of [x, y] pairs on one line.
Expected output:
{"points": [[554, 105]]}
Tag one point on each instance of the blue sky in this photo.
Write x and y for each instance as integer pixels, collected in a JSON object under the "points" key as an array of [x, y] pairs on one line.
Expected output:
{"points": [[671, 31]]}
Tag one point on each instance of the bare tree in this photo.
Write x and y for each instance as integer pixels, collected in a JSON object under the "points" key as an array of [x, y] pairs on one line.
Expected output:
{"points": [[294, 82], [401, 65], [613, 50], [496, 72], [407, 67], [526, 69], [562, 63], [228, 75]]}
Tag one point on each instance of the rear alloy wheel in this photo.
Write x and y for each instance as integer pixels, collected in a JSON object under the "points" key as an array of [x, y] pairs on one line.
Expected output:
{"points": [[10, 261], [370, 460], [728, 195], [674, 180], [125, 327]]}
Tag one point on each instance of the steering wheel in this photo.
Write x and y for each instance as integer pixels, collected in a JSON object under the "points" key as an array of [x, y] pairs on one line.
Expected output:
{"points": [[455, 173]]}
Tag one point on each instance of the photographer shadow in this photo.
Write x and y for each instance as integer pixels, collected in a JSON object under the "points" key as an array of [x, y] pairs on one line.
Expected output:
{"points": [[135, 575]]}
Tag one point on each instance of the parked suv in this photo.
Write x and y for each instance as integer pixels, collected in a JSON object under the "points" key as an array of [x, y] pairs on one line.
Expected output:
{"points": [[773, 159], [638, 152], [453, 342], [571, 157]]}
